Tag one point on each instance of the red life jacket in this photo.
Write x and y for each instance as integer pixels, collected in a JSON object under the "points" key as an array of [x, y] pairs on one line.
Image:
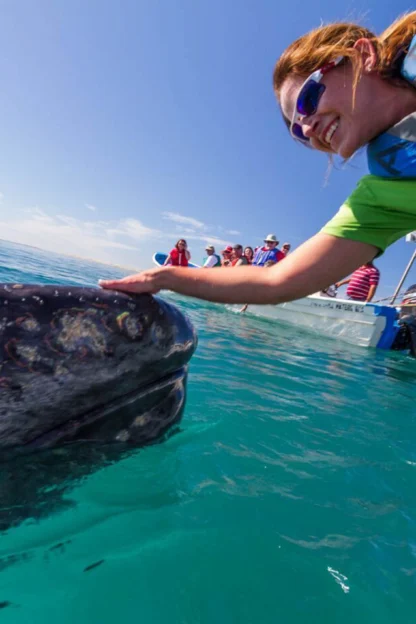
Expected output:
{"points": [[178, 258], [243, 258]]}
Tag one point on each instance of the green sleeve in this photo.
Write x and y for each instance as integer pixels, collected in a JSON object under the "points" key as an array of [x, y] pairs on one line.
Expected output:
{"points": [[378, 212]]}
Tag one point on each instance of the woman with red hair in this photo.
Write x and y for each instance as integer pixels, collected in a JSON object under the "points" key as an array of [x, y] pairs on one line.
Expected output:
{"points": [[339, 88]]}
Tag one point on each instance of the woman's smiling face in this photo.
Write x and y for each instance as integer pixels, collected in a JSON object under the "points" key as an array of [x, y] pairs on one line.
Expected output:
{"points": [[342, 124]]}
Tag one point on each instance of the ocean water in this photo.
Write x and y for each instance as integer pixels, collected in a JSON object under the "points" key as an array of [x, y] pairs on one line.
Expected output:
{"points": [[288, 495]]}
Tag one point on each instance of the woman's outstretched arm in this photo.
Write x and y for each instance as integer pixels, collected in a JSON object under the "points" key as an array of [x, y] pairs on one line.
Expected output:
{"points": [[319, 262]]}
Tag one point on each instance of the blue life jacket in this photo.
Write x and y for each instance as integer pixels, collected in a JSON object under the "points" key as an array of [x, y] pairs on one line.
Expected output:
{"points": [[393, 153], [264, 255]]}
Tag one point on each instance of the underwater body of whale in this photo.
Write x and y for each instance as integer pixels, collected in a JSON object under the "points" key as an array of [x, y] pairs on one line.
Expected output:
{"points": [[101, 369]]}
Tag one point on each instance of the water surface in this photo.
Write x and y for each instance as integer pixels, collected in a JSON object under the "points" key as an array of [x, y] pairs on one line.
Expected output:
{"points": [[287, 496]]}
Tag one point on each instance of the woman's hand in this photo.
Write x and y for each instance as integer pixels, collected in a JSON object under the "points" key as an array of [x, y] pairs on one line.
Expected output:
{"points": [[145, 282]]}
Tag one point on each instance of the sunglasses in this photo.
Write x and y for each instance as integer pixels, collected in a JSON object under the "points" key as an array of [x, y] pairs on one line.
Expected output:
{"points": [[308, 98]]}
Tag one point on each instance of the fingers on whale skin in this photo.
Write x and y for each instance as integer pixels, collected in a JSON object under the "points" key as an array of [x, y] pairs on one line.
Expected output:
{"points": [[128, 285]]}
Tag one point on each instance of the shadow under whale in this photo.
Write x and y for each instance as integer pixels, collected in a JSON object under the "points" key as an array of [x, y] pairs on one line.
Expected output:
{"points": [[85, 375]]}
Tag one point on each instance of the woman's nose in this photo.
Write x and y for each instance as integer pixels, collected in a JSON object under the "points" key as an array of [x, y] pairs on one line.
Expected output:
{"points": [[310, 127]]}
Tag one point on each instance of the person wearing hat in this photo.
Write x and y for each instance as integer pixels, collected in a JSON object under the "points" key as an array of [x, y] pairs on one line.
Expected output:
{"points": [[268, 252], [212, 260], [226, 256]]}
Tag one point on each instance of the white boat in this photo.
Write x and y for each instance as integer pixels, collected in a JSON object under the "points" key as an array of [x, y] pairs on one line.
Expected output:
{"points": [[362, 324]]}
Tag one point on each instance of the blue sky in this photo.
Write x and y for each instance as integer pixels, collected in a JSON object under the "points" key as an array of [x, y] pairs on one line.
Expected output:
{"points": [[127, 124]]}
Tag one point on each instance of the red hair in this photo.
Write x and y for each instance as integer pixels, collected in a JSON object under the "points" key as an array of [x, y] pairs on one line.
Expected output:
{"points": [[322, 45]]}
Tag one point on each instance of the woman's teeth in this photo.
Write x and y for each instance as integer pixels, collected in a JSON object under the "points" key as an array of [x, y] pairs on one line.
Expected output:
{"points": [[330, 132]]}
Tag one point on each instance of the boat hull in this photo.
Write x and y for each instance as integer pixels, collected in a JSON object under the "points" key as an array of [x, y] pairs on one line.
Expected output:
{"points": [[361, 324]]}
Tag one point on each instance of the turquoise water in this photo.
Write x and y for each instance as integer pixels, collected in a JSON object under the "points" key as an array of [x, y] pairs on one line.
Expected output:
{"points": [[287, 496]]}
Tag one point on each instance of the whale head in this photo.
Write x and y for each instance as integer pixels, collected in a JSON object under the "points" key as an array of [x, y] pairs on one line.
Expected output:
{"points": [[83, 364]]}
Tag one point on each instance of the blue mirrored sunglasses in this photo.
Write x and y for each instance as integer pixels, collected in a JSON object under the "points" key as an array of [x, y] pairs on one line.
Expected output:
{"points": [[308, 99]]}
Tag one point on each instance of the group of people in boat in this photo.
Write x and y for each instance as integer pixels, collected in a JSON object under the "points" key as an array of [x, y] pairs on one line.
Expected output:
{"points": [[232, 255], [361, 285]]}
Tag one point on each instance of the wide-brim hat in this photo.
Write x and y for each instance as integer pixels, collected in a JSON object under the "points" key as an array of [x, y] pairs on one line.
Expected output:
{"points": [[210, 248], [271, 238]]}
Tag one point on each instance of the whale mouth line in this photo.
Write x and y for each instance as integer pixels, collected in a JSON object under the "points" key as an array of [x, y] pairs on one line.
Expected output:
{"points": [[64, 433]]}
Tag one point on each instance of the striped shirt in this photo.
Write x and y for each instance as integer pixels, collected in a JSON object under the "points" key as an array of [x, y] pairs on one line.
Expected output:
{"points": [[360, 282]]}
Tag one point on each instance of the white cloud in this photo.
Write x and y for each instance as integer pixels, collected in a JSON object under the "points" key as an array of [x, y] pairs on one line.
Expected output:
{"points": [[36, 213], [1, 197], [181, 219], [234, 232], [127, 242], [133, 228], [91, 207], [212, 240], [100, 240]]}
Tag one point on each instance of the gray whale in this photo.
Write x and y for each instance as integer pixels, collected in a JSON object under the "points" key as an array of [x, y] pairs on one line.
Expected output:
{"points": [[88, 372]]}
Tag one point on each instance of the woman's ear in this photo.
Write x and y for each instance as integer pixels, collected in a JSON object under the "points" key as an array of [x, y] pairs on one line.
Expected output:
{"points": [[368, 54]]}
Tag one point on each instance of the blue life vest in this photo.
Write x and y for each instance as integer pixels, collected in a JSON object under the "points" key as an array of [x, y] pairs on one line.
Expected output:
{"points": [[393, 153], [264, 255]]}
